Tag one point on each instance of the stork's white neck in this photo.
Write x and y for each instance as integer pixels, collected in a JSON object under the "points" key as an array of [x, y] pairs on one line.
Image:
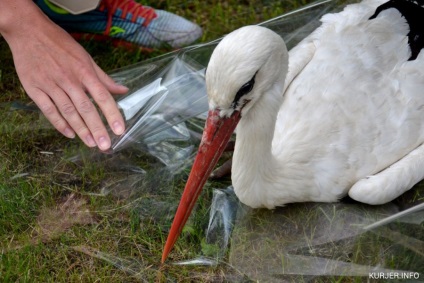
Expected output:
{"points": [[255, 170], [253, 159]]}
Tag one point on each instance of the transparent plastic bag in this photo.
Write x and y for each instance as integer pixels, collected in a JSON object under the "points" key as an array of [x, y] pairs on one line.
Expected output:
{"points": [[298, 242], [165, 112], [168, 91], [156, 112], [322, 240]]}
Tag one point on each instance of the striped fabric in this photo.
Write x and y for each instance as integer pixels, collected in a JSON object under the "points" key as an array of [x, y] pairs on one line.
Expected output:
{"points": [[126, 21]]}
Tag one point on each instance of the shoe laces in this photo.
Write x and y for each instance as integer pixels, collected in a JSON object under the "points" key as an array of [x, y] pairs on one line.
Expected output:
{"points": [[126, 6]]}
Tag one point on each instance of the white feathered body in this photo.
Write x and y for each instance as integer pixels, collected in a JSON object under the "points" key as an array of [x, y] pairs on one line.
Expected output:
{"points": [[352, 105]]}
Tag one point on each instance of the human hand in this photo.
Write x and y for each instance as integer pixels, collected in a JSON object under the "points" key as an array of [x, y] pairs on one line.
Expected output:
{"points": [[56, 72]]}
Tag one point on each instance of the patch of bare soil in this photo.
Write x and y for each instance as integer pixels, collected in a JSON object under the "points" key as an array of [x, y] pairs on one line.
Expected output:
{"points": [[53, 221]]}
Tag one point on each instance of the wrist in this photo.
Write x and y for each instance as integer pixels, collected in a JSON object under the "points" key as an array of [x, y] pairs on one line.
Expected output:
{"points": [[17, 16]]}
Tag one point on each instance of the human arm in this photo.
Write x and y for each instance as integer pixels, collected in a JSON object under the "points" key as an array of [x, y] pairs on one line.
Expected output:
{"points": [[56, 72]]}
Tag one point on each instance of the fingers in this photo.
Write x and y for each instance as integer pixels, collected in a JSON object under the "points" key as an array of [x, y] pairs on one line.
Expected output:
{"points": [[72, 111], [61, 112], [105, 101], [80, 112], [68, 107], [76, 107], [56, 72], [52, 114]]}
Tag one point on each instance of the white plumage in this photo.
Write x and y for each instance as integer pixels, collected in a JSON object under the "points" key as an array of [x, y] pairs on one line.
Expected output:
{"points": [[351, 117], [341, 113]]}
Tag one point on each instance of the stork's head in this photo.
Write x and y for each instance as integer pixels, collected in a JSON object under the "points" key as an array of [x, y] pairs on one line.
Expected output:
{"points": [[246, 64]]}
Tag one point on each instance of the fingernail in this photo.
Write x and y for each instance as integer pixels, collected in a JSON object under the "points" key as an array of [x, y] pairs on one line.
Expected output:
{"points": [[124, 87], [118, 128], [90, 141], [104, 143], [69, 133]]}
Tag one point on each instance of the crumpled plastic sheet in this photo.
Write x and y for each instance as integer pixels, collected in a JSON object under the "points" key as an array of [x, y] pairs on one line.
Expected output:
{"points": [[323, 240], [165, 112], [300, 242], [157, 113], [303, 242], [167, 104]]}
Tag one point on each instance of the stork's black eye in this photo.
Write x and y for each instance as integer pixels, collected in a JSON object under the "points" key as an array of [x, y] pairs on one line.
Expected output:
{"points": [[245, 89]]}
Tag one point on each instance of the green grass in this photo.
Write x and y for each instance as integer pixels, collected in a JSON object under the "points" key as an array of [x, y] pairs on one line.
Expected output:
{"points": [[70, 214]]}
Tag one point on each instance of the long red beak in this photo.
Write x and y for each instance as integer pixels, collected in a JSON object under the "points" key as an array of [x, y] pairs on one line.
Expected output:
{"points": [[215, 137]]}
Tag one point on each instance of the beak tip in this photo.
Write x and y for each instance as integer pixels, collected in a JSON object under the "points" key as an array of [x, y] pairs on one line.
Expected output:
{"points": [[215, 137], [164, 256], [167, 249]]}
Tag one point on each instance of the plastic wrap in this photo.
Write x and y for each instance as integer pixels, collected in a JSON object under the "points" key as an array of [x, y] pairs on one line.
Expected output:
{"points": [[157, 112], [166, 106], [330, 240], [165, 111]]}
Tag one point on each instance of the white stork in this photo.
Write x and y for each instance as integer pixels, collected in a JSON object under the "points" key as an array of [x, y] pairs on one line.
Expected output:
{"points": [[344, 115]]}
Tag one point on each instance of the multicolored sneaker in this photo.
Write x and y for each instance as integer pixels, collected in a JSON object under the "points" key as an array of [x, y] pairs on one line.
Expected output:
{"points": [[126, 21]]}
